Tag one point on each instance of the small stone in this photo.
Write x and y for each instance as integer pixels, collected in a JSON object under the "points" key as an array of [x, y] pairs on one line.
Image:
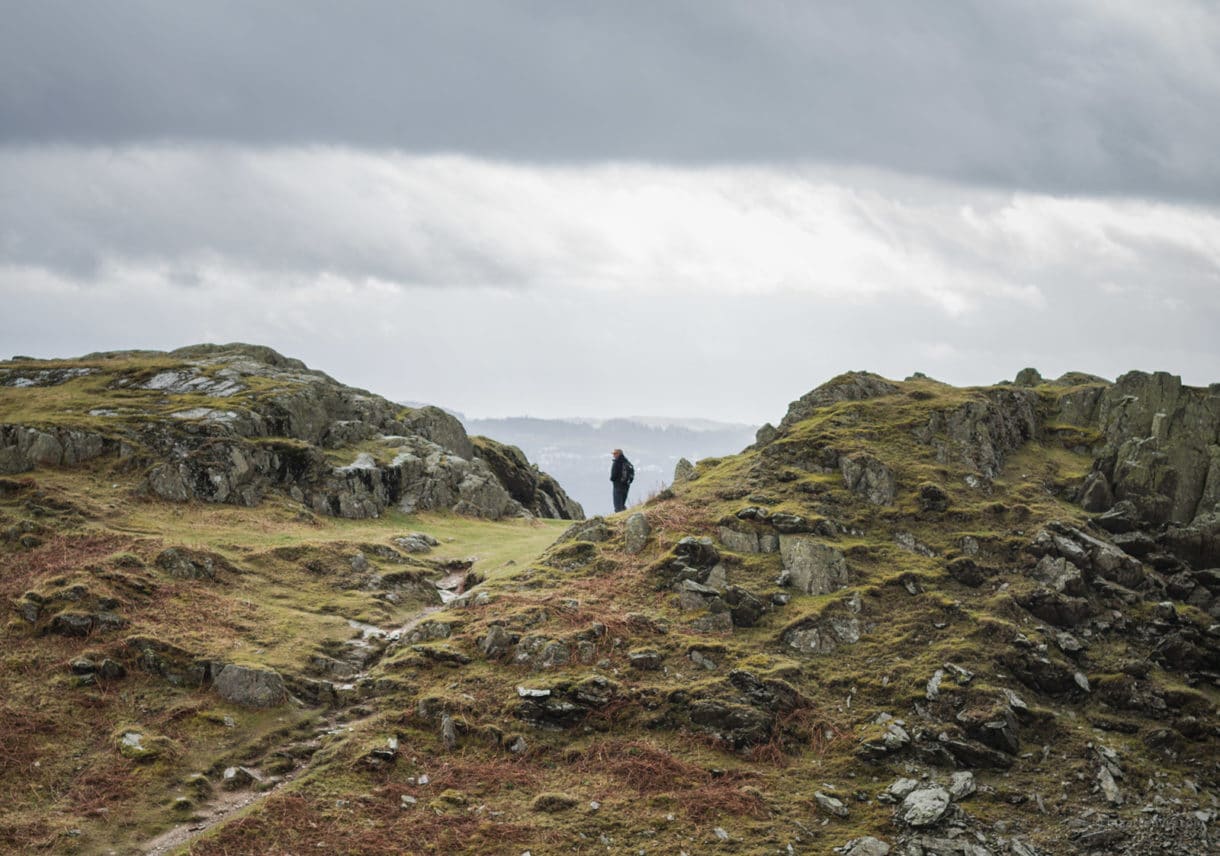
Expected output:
{"points": [[236, 778], [1109, 788], [1017, 703], [138, 746], [933, 689], [901, 788], [961, 785], [408, 801], [720, 833], [924, 807], [960, 675], [895, 737], [448, 732], [830, 805]]}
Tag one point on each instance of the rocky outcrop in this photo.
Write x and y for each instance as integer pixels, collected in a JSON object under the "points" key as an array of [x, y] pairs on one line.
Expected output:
{"points": [[421, 477], [810, 566], [852, 386], [983, 431], [270, 434], [537, 492], [684, 470], [1161, 446], [23, 448], [866, 476], [441, 428]]}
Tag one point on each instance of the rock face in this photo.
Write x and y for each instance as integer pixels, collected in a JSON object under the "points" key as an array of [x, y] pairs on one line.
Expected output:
{"points": [[982, 432], [812, 567], [441, 428], [537, 492], [1162, 447], [825, 636], [23, 448], [275, 431], [866, 476]]}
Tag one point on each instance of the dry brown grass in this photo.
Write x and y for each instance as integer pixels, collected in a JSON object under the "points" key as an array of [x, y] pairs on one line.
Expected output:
{"points": [[677, 516], [20, 734], [642, 766], [26, 835], [804, 729], [292, 824], [649, 769], [471, 773], [103, 785], [61, 554]]}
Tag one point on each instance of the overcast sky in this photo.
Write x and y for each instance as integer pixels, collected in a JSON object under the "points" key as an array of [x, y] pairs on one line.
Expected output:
{"points": [[584, 208]]}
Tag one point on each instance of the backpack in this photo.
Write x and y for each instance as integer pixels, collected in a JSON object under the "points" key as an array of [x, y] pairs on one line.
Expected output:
{"points": [[628, 474]]}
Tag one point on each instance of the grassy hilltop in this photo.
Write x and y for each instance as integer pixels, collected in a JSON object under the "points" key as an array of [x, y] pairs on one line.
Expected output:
{"points": [[912, 616]]}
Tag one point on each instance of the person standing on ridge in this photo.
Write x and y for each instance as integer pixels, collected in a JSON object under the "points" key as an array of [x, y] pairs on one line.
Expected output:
{"points": [[622, 474]]}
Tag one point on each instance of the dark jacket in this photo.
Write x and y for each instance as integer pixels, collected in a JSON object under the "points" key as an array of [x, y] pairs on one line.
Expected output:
{"points": [[617, 468]]}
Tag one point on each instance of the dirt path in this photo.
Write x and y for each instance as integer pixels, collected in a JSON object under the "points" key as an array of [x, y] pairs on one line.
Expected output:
{"points": [[227, 804]]}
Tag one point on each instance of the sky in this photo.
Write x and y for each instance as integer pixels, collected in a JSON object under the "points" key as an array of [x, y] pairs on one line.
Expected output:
{"points": [[687, 208]]}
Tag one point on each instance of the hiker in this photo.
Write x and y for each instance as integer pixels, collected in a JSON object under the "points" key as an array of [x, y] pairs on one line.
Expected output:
{"points": [[622, 474]]}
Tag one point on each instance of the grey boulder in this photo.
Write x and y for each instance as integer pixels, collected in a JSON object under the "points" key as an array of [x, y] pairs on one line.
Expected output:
{"points": [[924, 807], [251, 686]]}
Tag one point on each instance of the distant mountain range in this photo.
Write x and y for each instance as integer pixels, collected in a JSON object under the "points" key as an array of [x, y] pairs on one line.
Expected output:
{"points": [[576, 450]]}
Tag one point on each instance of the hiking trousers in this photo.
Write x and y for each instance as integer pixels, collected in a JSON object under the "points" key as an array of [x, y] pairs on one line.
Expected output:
{"points": [[620, 496]]}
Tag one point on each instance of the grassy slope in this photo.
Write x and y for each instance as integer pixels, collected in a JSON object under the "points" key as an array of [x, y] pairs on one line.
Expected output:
{"points": [[660, 786], [62, 771]]}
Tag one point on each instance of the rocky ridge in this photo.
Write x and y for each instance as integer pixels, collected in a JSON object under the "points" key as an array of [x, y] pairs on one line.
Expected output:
{"points": [[229, 423]]}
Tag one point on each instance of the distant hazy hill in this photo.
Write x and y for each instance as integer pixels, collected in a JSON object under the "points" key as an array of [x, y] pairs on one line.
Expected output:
{"points": [[577, 451]]}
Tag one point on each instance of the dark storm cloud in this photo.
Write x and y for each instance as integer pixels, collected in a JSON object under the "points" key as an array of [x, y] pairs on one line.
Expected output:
{"points": [[1064, 97]]}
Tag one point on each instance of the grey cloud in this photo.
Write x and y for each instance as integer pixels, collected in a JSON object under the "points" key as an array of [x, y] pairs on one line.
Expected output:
{"points": [[270, 215], [297, 212], [1068, 97]]}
